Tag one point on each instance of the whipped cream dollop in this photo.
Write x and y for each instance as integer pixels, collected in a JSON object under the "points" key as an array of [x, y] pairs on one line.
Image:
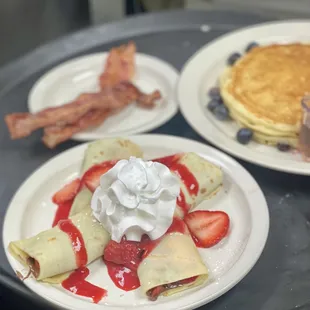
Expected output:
{"points": [[136, 197]]}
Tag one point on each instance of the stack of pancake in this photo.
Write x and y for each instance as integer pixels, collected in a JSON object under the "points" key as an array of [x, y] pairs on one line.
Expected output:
{"points": [[264, 88]]}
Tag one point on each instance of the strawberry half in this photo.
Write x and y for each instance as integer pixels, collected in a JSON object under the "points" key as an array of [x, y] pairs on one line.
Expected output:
{"points": [[91, 178], [67, 193], [126, 253], [207, 227]]}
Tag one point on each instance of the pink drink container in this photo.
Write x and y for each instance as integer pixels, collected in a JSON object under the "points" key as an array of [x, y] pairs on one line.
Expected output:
{"points": [[304, 135]]}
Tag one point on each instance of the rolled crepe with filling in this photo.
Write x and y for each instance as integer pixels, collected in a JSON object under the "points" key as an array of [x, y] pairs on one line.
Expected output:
{"points": [[208, 177], [172, 264], [50, 254], [173, 260], [98, 152]]}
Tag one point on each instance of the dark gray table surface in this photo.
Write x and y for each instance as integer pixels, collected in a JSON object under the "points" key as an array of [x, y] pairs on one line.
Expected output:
{"points": [[281, 278]]}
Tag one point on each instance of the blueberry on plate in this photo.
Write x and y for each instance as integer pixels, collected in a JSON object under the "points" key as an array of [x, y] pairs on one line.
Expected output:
{"points": [[244, 135], [214, 93], [213, 103], [221, 112], [283, 147], [251, 46], [233, 58]]}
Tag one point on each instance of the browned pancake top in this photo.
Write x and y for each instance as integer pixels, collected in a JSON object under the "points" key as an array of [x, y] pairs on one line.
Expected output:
{"points": [[270, 81]]}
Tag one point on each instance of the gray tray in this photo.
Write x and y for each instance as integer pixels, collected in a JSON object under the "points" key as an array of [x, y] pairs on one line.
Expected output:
{"points": [[281, 278]]}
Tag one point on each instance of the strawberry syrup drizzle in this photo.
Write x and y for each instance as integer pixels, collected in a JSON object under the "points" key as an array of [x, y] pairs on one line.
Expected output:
{"points": [[62, 212], [168, 160], [124, 278], [181, 202], [76, 282], [77, 285], [187, 178], [77, 241]]}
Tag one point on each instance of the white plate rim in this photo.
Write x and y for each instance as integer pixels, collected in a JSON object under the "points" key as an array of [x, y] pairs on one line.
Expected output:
{"points": [[170, 72], [199, 122], [257, 205]]}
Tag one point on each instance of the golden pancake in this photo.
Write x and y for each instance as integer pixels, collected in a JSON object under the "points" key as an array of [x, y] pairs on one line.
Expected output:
{"points": [[263, 91]]}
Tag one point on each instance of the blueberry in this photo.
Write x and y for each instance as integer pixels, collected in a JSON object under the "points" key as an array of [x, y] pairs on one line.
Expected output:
{"points": [[215, 93], [212, 104], [283, 147], [244, 135], [251, 46], [233, 58], [221, 112]]}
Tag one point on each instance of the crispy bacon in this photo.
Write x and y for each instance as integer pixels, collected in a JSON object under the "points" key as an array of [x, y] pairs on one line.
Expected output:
{"points": [[54, 135], [21, 125], [148, 100], [88, 109], [120, 65]]}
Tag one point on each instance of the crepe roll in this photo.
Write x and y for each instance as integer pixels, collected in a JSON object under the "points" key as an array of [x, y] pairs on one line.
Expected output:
{"points": [[73, 243], [172, 266], [98, 152], [199, 179]]}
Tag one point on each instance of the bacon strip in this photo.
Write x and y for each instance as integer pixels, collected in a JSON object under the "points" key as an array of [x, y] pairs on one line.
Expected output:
{"points": [[120, 66], [89, 109], [21, 125], [147, 101], [55, 135]]}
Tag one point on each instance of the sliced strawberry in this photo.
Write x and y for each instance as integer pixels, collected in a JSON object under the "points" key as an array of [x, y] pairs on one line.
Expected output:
{"points": [[68, 192], [207, 227], [91, 178], [126, 253]]}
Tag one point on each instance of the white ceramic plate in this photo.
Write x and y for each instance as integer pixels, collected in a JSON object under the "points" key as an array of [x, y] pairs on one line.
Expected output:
{"points": [[66, 81], [201, 73], [228, 262]]}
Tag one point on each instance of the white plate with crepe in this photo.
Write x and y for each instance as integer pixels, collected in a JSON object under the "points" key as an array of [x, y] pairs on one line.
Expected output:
{"points": [[202, 72], [80, 75], [227, 262]]}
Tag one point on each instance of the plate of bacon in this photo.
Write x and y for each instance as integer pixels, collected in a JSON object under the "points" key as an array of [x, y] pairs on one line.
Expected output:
{"points": [[148, 222], [113, 93]]}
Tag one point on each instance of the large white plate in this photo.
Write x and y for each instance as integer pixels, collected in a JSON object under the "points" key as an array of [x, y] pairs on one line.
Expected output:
{"points": [[32, 211], [201, 73], [65, 82]]}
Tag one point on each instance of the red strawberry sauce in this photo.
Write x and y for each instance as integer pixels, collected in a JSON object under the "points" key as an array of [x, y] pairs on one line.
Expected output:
{"points": [[77, 285], [187, 178], [62, 212], [123, 277], [76, 282]]}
